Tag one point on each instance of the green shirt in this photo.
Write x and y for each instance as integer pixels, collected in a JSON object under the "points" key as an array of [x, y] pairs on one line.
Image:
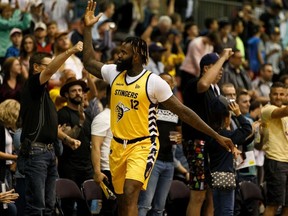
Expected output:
{"points": [[6, 25]]}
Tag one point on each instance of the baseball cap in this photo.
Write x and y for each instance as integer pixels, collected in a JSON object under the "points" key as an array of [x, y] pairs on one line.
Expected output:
{"points": [[40, 25], [59, 34], [99, 46], [156, 47], [15, 30], [36, 3], [210, 58], [102, 22]]}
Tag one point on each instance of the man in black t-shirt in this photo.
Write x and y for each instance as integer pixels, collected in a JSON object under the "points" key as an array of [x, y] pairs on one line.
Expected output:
{"points": [[75, 164], [197, 96], [39, 132]]}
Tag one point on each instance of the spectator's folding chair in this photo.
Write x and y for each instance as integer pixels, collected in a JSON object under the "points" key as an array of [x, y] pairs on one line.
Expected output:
{"points": [[251, 197], [66, 188], [178, 199], [250, 191], [91, 191]]}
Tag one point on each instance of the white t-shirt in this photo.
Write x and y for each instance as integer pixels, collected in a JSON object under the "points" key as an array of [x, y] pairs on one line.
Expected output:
{"points": [[101, 127], [73, 63], [158, 89], [155, 68], [275, 57], [59, 14], [9, 145]]}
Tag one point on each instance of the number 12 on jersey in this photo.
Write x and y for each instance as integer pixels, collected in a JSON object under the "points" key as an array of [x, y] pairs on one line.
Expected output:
{"points": [[134, 104]]}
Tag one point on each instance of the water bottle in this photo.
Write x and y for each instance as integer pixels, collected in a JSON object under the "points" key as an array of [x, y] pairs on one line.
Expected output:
{"points": [[96, 206], [3, 189]]}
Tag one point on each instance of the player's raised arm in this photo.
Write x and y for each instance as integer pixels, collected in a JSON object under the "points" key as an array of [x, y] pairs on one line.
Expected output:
{"points": [[90, 63]]}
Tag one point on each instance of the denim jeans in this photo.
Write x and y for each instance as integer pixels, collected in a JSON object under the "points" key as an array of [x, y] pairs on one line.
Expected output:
{"points": [[10, 211], [223, 202], [40, 181], [157, 189]]}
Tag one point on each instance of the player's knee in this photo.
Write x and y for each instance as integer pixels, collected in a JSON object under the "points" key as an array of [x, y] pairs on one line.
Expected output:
{"points": [[132, 189]]}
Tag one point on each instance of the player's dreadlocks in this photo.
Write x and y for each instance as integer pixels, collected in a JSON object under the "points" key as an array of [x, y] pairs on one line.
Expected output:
{"points": [[139, 46]]}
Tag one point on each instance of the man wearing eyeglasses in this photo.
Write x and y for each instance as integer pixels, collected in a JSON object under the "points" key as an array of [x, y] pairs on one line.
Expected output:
{"points": [[39, 134]]}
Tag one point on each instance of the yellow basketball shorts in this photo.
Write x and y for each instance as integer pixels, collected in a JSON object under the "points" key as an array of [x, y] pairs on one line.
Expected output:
{"points": [[134, 161]]}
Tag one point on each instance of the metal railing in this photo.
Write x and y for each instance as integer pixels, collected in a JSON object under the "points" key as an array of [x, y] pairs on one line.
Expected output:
{"points": [[203, 9]]}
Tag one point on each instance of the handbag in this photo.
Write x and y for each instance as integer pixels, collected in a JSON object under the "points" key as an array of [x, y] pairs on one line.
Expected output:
{"points": [[223, 180]]}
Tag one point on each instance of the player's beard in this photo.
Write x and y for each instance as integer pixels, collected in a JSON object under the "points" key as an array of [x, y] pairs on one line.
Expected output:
{"points": [[123, 65]]}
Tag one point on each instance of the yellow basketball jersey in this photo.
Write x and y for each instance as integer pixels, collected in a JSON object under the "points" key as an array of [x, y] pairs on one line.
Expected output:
{"points": [[133, 115]]}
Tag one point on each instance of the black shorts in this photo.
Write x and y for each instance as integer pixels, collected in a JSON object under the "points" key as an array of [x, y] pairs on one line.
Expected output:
{"points": [[276, 177], [195, 158]]}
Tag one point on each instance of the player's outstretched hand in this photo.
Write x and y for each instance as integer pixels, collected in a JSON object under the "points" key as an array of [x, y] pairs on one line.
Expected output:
{"points": [[226, 143], [89, 18]]}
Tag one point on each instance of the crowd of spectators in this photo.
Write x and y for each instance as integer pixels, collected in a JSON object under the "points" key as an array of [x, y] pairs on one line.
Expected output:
{"points": [[257, 34]]}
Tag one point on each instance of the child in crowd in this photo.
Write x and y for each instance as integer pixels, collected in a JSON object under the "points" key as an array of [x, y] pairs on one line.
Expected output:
{"points": [[16, 39], [220, 159]]}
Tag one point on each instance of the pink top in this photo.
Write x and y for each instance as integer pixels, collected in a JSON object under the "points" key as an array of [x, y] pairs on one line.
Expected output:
{"points": [[196, 50]]}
